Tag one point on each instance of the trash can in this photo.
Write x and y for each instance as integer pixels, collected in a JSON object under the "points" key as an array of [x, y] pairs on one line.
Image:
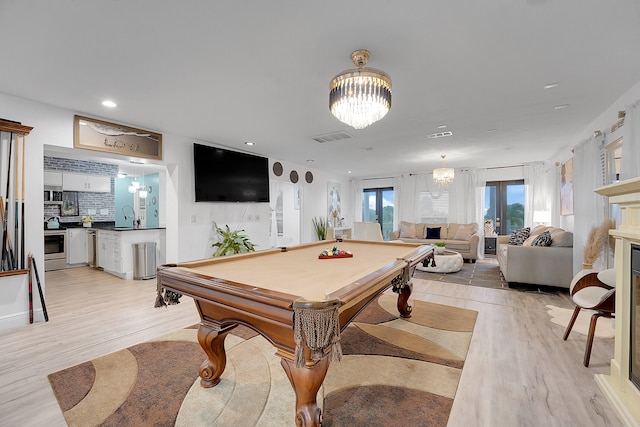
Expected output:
{"points": [[144, 260]]}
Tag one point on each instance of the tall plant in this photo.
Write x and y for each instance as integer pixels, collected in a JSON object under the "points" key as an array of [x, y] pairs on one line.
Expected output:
{"points": [[231, 242], [320, 225]]}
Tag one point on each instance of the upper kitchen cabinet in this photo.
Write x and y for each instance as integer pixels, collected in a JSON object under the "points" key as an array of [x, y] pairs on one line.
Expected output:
{"points": [[83, 182], [52, 179]]}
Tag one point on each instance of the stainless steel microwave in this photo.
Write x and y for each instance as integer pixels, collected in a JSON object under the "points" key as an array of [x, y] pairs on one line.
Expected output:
{"points": [[53, 197]]}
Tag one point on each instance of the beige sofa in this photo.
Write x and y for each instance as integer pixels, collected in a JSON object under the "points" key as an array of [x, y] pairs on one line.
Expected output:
{"points": [[538, 265], [461, 238]]}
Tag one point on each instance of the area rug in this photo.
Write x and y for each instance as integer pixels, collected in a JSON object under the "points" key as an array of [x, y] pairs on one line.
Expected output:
{"points": [[484, 272], [394, 371], [605, 328]]}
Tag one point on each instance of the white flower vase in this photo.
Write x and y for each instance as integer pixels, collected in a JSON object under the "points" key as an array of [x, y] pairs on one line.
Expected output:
{"points": [[439, 250]]}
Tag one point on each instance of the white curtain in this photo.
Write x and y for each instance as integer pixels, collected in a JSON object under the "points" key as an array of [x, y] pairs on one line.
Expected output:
{"points": [[590, 206], [535, 197], [630, 162], [406, 198], [462, 198], [356, 187], [480, 178]]}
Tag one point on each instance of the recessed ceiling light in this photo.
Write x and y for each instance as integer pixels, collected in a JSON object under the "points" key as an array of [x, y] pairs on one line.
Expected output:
{"points": [[560, 107], [348, 171], [551, 85], [442, 127], [310, 160], [249, 143], [440, 134], [490, 130], [109, 104]]}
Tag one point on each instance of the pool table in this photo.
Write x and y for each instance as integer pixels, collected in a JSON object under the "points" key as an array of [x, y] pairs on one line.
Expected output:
{"points": [[295, 299]]}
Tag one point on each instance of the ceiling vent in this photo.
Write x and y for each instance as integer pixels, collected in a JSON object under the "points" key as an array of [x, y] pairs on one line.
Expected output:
{"points": [[334, 136]]}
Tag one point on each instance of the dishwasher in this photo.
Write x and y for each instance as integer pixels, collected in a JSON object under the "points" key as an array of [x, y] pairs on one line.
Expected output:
{"points": [[92, 248]]}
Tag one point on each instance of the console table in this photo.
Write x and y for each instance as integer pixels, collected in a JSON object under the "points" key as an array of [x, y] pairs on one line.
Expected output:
{"points": [[339, 233]]}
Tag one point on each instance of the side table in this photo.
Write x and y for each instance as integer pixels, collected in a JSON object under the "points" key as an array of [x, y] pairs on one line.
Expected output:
{"points": [[490, 245]]}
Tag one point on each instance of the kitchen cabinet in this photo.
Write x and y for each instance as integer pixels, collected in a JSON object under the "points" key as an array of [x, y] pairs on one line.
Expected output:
{"points": [[76, 246], [72, 181], [52, 179], [109, 252]]}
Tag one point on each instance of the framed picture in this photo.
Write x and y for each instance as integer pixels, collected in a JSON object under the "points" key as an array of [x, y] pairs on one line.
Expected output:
{"points": [[566, 188], [98, 135], [334, 204], [69, 204]]}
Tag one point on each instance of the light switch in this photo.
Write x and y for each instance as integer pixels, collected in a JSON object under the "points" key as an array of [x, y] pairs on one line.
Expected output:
{"points": [[91, 211], [104, 211]]}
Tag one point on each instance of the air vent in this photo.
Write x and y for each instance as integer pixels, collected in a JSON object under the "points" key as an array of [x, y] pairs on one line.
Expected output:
{"points": [[328, 137], [440, 134]]}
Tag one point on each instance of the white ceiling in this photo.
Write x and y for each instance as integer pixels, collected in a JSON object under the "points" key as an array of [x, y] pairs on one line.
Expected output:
{"points": [[227, 72]]}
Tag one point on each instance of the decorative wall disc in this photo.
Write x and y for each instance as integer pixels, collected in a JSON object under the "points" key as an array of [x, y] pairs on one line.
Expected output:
{"points": [[277, 168], [293, 176], [308, 177]]}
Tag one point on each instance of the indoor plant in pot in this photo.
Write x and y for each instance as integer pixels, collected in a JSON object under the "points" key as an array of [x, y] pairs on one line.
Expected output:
{"points": [[439, 247], [231, 242], [320, 226]]}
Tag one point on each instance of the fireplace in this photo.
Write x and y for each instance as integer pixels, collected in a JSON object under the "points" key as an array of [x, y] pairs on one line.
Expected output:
{"points": [[634, 356], [622, 386]]}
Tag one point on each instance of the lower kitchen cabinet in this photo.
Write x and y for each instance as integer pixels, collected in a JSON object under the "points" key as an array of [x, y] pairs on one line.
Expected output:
{"points": [[76, 246], [115, 249]]}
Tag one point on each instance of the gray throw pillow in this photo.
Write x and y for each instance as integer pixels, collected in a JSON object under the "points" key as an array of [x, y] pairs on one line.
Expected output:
{"points": [[544, 239], [519, 236]]}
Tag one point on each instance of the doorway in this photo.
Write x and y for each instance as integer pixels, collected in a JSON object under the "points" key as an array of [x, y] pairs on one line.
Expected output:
{"points": [[378, 206]]}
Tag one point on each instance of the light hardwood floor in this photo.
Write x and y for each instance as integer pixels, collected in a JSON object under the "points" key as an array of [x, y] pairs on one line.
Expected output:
{"points": [[519, 371]]}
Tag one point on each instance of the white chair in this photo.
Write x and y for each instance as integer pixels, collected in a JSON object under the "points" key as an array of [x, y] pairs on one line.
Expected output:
{"points": [[367, 231], [596, 291]]}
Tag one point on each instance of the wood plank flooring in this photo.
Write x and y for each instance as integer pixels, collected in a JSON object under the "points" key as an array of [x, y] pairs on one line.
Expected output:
{"points": [[519, 371]]}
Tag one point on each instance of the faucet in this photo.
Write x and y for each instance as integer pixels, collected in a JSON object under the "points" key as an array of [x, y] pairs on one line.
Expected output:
{"points": [[133, 215]]}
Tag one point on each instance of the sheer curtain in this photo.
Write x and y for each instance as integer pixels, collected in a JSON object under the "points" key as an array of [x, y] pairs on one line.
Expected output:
{"points": [[630, 162], [356, 187], [406, 198], [535, 196], [587, 176]]}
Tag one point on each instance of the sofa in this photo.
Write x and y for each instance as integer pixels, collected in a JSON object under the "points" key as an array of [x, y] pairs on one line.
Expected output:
{"points": [[461, 238], [524, 261]]}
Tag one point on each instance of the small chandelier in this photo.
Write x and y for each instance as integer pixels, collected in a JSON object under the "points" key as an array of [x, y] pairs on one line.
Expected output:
{"points": [[360, 96], [443, 176]]}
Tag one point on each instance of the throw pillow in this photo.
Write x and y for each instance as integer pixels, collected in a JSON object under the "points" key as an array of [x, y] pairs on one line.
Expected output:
{"points": [[562, 239], [519, 236], [464, 233], [544, 239], [433, 233], [407, 230]]}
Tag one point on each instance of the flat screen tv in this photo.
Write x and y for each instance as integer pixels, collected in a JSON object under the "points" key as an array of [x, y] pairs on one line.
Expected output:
{"points": [[229, 176]]}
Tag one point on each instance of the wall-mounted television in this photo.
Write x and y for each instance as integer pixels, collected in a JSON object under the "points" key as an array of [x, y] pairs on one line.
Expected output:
{"points": [[229, 176]]}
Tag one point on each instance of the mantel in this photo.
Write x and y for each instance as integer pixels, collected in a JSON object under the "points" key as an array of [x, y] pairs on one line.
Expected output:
{"points": [[623, 395]]}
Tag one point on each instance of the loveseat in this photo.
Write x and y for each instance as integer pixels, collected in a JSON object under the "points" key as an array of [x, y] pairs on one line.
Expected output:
{"points": [[549, 265], [461, 238]]}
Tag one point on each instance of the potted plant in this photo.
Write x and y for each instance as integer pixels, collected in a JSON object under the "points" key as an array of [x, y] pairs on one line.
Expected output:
{"points": [[86, 221], [320, 226], [439, 247], [231, 242]]}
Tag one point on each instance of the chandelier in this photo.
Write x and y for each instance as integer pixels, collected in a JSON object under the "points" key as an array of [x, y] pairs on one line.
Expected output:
{"points": [[360, 96], [443, 176]]}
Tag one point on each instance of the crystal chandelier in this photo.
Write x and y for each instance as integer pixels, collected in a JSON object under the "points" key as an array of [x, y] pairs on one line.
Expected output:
{"points": [[443, 176], [360, 96]]}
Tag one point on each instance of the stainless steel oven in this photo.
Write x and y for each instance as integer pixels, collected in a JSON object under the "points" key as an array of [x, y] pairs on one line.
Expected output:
{"points": [[55, 249]]}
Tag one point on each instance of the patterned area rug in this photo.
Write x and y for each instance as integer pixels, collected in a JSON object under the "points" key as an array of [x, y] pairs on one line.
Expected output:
{"points": [[484, 272], [392, 369]]}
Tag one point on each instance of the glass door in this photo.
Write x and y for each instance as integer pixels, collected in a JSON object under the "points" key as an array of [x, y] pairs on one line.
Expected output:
{"points": [[377, 206], [504, 204]]}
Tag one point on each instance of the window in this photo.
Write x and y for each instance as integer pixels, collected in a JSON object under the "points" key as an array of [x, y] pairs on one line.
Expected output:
{"points": [[377, 206], [504, 204]]}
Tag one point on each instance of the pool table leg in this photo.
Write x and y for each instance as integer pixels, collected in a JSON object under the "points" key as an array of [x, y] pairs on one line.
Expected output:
{"points": [[212, 342], [306, 382], [403, 300]]}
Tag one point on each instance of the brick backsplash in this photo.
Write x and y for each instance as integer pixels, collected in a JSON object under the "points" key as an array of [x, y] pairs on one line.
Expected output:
{"points": [[86, 200]]}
